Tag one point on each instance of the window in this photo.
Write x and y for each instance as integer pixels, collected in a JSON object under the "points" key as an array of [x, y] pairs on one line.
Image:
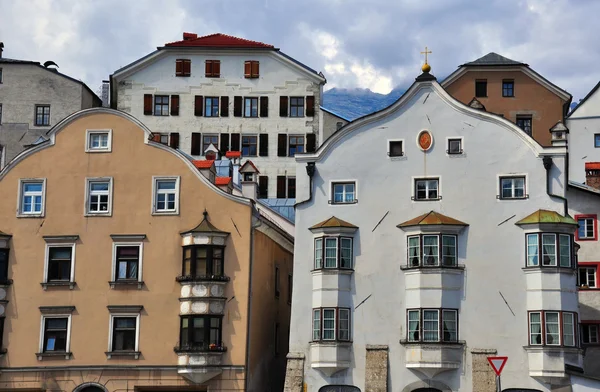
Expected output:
{"points": [[251, 107], [127, 262], [427, 189], [512, 188], [508, 88], [249, 146], [296, 107], [549, 328], [211, 107], [587, 277], [32, 197], [207, 140], [212, 68], [166, 195], [331, 324], [202, 262], [295, 145], [161, 105], [98, 141], [60, 259], [99, 195], [555, 248], [587, 227], [432, 325], [424, 250], [596, 136], [42, 115], [481, 88], [251, 69], [183, 67], [395, 148], [589, 334], [524, 122], [55, 334], [124, 333], [200, 333], [344, 193], [334, 252], [455, 146], [3, 269]]}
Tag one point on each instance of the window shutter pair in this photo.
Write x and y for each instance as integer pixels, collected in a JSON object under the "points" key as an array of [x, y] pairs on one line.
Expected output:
{"points": [[263, 187], [283, 106], [282, 145], [196, 143], [198, 105], [178, 67], [183, 67], [224, 106], [212, 68], [235, 142], [264, 145], [310, 106], [237, 106], [264, 106], [148, 104], [174, 105], [174, 140], [224, 142], [311, 142], [281, 187], [251, 69]]}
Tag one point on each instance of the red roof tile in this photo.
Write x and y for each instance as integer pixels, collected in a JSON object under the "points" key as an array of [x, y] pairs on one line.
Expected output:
{"points": [[233, 154], [218, 40], [222, 180], [203, 164], [592, 166], [243, 168]]}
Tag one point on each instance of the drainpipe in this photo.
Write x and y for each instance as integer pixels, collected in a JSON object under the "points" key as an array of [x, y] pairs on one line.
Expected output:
{"points": [[310, 170], [253, 226], [548, 165]]}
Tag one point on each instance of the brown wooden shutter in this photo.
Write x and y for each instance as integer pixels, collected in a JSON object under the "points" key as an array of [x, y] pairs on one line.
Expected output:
{"points": [[281, 187], [156, 137], [174, 105], [196, 141], [291, 187], [178, 67], [208, 68], [310, 106], [224, 143], [264, 145], [216, 69], [264, 106], [263, 187], [282, 145], [235, 142], [237, 106], [148, 104], [187, 67], [198, 103], [255, 72], [174, 140], [283, 106], [248, 69], [224, 106], [311, 142]]}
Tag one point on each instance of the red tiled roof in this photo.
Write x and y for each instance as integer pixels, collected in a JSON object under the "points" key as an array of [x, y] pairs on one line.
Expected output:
{"points": [[233, 154], [248, 162], [222, 180], [218, 40], [203, 164], [592, 166]]}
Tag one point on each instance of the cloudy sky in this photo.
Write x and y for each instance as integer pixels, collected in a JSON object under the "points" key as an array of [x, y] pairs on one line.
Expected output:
{"points": [[371, 44]]}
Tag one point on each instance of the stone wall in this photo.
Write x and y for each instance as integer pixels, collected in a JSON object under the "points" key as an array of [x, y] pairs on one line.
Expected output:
{"points": [[294, 373], [484, 378], [376, 372]]}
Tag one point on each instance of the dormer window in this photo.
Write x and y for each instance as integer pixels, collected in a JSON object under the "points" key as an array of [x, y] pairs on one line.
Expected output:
{"points": [[432, 250]]}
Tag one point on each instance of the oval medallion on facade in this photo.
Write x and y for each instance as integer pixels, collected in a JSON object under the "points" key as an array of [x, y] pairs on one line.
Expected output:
{"points": [[200, 290], [425, 140]]}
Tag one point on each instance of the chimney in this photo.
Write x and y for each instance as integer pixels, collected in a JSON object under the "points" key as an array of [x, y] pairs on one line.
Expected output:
{"points": [[234, 157], [1, 48], [249, 174], [189, 36], [592, 174], [559, 135]]}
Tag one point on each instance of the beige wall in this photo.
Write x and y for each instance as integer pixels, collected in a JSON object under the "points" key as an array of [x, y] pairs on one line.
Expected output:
{"points": [[531, 98]]}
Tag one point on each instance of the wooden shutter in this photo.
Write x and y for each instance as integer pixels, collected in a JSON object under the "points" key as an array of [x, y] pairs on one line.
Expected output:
{"points": [[178, 67], [248, 69], [208, 68], [255, 72], [310, 106], [174, 105], [216, 69], [291, 187], [156, 137], [196, 141], [187, 67], [263, 187], [237, 106], [264, 106], [283, 106], [148, 104], [198, 104], [224, 143], [281, 187], [225, 106], [282, 145], [174, 140], [235, 142], [311, 142], [264, 145]]}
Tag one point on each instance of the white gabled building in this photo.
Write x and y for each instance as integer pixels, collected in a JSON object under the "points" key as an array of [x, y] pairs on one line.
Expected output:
{"points": [[236, 94], [435, 247]]}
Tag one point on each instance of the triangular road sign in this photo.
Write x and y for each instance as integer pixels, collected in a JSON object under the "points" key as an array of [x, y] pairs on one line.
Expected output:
{"points": [[497, 364]]}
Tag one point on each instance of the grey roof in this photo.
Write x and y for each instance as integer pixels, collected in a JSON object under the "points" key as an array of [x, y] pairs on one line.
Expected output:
{"points": [[334, 113], [7, 60], [493, 59]]}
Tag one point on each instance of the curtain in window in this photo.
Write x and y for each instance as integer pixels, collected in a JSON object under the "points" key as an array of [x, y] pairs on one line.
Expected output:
{"points": [[535, 328], [317, 324], [430, 325], [329, 324], [318, 253], [532, 250], [552, 328], [413, 251], [330, 252], [549, 249], [568, 329], [565, 250], [519, 184], [430, 250], [449, 250], [449, 323], [413, 325], [345, 253]]}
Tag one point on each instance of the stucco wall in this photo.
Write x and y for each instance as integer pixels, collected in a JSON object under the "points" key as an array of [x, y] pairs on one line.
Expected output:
{"points": [[330, 124], [581, 143]]}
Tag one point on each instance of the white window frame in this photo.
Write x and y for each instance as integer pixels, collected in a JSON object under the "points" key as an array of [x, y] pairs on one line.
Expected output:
{"points": [[20, 195], [88, 194], [117, 244], [499, 178], [110, 330], [155, 180], [414, 180], [47, 259], [542, 329], [332, 194], [587, 281], [590, 335], [395, 157], [585, 226], [560, 328], [462, 146], [88, 139], [42, 331]]}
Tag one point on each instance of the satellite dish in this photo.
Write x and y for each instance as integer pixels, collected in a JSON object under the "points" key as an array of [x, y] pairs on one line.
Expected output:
{"points": [[49, 63]]}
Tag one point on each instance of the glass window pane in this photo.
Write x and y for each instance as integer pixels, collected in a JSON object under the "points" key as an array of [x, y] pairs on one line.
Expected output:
{"points": [[565, 250], [568, 329], [449, 251], [532, 250], [430, 250], [552, 328], [413, 325], [345, 253], [330, 253], [535, 328], [430, 326], [319, 253], [549, 249], [166, 185], [414, 251], [449, 326]]}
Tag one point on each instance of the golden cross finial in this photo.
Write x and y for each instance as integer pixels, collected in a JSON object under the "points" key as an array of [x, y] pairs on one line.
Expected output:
{"points": [[426, 52]]}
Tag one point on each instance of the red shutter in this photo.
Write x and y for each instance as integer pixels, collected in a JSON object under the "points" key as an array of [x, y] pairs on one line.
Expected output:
{"points": [[174, 105], [310, 106], [235, 142], [283, 106], [282, 145], [237, 106], [187, 67], [208, 68], [198, 103], [196, 140], [148, 104], [311, 142], [281, 187], [178, 67], [156, 137], [224, 106], [264, 106], [254, 69], [216, 71], [248, 69], [174, 140], [224, 143]]}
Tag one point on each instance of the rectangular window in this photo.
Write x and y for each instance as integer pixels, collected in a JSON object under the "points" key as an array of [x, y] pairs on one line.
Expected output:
{"points": [[331, 252], [552, 328], [3, 269], [295, 145], [250, 107], [331, 324], [450, 325], [346, 253], [481, 88], [32, 197], [549, 250], [508, 88], [344, 325], [454, 146], [430, 250], [55, 334], [589, 334], [535, 328], [124, 334], [427, 189], [512, 187], [318, 253], [207, 140], [202, 262], [414, 319], [60, 259], [98, 141], [431, 325], [296, 107], [211, 106], [166, 195], [99, 197], [328, 324], [414, 251], [596, 139], [161, 105], [291, 187], [587, 277], [449, 250], [524, 122], [428, 247], [344, 192], [212, 68], [42, 115], [127, 262], [249, 146], [395, 148], [587, 227], [532, 250], [564, 250], [200, 333], [316, 324], [568, 332]]}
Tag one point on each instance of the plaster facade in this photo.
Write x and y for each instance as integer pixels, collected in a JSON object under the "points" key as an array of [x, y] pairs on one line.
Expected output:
{"points": [[332, 123]]}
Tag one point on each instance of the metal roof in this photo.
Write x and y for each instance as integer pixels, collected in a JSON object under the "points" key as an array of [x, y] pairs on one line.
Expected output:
{"points": [[494, 59], [333, 222], [283, 207], [432, 218], [546, 216]]}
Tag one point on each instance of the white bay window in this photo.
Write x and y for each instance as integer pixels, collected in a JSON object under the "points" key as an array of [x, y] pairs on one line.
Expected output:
{"points": [[432, 325], [555, 250], [552, 328], [425, 250], [333, 253]]}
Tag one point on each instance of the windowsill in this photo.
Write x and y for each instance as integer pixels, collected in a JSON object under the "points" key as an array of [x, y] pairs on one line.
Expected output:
{"points": [[580, 288], [297, 116], [331, 343], [165, 213], [553, 348], [59, 283], [161, 115], [422, 200], [6, 282], [512, 198], [459, 267], [98, 214], [126, 283], [21, 215], [586, 239], [455, 344], [347, 271], [333, 203], [186, 350], [66, 355], [95, 151], [551, 269], [133, 354], [207, 278]]}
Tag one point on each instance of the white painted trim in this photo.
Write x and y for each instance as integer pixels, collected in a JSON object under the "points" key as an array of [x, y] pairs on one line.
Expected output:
{"points": [[462, 145], [43, 321], [90, 132], [88, 181], [137, 329], [47, 255], [116, 244], [396, 158], [414, 189], [331, 182], [499, 189], [155, 179], [23, 181]]}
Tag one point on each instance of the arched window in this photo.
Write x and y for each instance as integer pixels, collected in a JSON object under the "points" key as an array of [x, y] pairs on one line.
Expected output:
{"points": [[339, 388]]}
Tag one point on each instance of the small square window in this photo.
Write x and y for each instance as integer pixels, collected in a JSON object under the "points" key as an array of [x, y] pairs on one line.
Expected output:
{"points": [[99, 196], [31, 201], [296, 106], [166, 196], [42, 115], [455, 146], [427, 189], [395, 148], [596, 136], [295, 145], [98, 141], [508, 88], [512, 188], [481, 88], [249, 145], [251, 107], [344, 193], [587, 227]]}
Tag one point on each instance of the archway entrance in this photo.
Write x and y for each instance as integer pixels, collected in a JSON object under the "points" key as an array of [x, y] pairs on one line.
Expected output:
{"points": [[89, 388]]}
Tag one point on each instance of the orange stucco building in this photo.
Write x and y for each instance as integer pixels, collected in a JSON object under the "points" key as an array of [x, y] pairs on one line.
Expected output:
{"points": [[512, 89], [127, 269]]}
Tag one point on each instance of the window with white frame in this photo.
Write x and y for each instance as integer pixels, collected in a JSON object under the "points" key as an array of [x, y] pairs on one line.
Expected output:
{"points": [[331, 324], [454, 146], [589, 334], [31, 202], [343, 193], [427, 189], [587, 277], [59, 263], [98, 141], [587, 227], [552, 328], [124, 327], [432, 250], [512, 187], [555, 250], [432, 325], [127, 262], [334, 253], [55, 334], [166, 195], [99, 196]]}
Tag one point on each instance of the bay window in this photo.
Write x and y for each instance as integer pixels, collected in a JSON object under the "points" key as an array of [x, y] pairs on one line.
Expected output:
{"points": [[200, 333], [331, 324], [432, 325], [333, 252], [555, 250], [202, 262], [432, 250], [552, 328]]}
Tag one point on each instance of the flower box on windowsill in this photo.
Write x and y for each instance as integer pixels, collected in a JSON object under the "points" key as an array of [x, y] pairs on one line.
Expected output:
{"points": [[57, 355], [58, 283], [212, 348], [126, 283], [132, 354], [202, 278]]}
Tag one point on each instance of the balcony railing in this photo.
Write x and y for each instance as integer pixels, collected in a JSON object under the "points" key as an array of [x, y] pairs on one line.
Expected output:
{"points": [[200, 348], [202, 278]]}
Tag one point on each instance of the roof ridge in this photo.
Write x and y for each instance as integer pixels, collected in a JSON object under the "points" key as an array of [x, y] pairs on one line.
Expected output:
{"points": [[198, 40]]}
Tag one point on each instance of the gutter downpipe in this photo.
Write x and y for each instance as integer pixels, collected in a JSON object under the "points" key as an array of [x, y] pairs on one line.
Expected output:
{"points": [[310, 171], [547, 160]]}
